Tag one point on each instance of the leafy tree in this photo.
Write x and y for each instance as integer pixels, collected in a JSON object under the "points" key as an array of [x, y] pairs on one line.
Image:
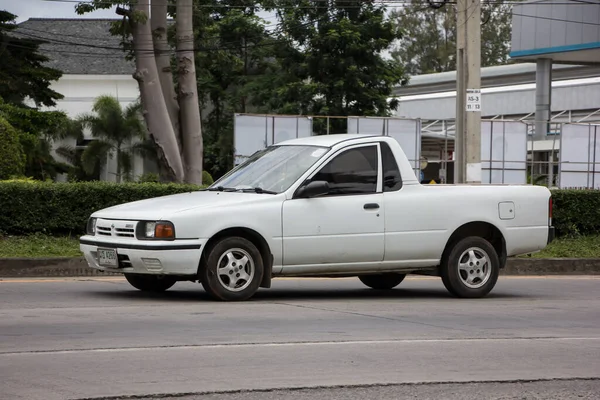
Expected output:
{"points": [[22, 70], [25, 77], [330, 55], [430, 43], [171, 112], [37, 131], [117, 132], [238, 49]]}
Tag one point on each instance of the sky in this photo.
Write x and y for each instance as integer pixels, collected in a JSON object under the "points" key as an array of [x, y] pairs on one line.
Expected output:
{"points": [[25, 9]]}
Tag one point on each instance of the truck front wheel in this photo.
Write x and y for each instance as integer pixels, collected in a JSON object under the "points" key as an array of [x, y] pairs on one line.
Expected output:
{"points": [[233, 269], [382, 281], [471, 268], [150, 283]]}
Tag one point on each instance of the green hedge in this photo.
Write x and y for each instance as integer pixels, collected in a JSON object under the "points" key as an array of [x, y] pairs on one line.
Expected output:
{"points": [[576, 212], [61, 208], [12, 158]]}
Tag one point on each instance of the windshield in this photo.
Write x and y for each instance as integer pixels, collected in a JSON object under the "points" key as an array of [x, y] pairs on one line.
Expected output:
{"points": [[274, 169]]}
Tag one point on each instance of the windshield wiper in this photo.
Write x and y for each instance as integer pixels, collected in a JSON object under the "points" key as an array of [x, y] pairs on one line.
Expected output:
{"points": [[232, 189], [259, 190], [222, 189]]}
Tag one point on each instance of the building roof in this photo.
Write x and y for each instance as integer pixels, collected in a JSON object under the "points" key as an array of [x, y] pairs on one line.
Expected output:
{"points": [[501, 75], [81, 46]]}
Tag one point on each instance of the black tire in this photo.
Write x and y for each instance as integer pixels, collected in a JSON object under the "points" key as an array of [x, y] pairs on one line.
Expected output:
{"points": [[219, 286], [382, 281], [150, 283], [483, 276]]}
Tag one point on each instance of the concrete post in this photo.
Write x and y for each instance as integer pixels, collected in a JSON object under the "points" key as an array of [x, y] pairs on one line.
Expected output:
{"points": [[543, 101]]}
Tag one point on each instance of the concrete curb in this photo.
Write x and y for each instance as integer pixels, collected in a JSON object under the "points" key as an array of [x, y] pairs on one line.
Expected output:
{"points": [[75, 267], [47, 267]]}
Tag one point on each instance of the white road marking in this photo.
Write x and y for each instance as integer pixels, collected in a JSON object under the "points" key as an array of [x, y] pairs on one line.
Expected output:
{"points": [[291, 344]]}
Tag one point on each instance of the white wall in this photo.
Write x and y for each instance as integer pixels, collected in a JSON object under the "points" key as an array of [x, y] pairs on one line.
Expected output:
{"points": [[79, 93], [575, 94]]}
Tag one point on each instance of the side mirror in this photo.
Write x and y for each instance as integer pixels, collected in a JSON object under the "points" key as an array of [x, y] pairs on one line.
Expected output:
{"points": [[313, 189]]}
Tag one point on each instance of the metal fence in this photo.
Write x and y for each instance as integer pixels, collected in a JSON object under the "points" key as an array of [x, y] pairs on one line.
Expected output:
{"points": [[568, 157], [254, 132]]}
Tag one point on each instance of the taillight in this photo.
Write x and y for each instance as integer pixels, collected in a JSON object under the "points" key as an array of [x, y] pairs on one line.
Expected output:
{"points": [[550, 211]]}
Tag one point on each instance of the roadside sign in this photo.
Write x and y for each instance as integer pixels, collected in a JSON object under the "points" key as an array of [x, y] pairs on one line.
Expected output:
{"points": [[474, 100]]}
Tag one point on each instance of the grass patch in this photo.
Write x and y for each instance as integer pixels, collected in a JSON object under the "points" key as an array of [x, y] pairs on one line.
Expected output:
{"points": [[578, 247], [38, 246]]}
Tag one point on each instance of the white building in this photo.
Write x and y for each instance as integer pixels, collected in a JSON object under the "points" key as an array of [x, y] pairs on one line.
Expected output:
{"points": [[92, 64]]}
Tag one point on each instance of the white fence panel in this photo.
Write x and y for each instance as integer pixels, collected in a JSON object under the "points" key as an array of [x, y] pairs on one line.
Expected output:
{"points": [[579, 163], [503, 152]]}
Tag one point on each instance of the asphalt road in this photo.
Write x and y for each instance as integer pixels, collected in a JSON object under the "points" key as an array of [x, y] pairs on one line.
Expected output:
{"points": [[97, 338]]}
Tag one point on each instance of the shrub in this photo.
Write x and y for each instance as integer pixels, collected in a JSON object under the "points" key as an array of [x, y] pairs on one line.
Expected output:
{"points": [[29, 206], [12, 158], [576, 212], [207, 178], [61, 208]]}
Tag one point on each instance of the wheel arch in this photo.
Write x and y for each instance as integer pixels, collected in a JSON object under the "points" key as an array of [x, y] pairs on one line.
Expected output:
{"points": [[481, 229], [253, 236]]}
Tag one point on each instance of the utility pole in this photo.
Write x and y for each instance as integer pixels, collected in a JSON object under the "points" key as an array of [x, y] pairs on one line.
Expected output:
{"points": [[467, 145]]}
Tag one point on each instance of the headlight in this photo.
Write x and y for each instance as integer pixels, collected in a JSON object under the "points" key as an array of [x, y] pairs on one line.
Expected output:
{"points": [[91, 226], [150, 228], [159, 230]]}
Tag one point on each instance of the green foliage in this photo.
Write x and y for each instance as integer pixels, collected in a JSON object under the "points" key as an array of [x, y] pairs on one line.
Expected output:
{"points": [[39, 246], [238, 55], [36, 130], [576, 212], [149, 178], [61, 208], [429, 43], [207, 178], [12, 158], [22, 70], [572, 247], [118, 132], [331, 61]]}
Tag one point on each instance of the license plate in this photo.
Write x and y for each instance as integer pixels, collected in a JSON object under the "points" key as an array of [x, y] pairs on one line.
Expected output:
{"points": [[108, 258]]}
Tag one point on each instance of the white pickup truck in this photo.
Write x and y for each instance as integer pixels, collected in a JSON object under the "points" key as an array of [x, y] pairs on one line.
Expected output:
{"points": [[323, 206]]}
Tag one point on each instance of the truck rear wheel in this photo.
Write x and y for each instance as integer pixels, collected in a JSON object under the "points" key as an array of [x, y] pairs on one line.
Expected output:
{"points": [[471, 268], [233, 269], [382, 281], [150, 283]]}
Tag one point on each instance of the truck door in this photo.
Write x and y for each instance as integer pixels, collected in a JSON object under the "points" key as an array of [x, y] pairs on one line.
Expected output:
{"points": [[344, 226]]}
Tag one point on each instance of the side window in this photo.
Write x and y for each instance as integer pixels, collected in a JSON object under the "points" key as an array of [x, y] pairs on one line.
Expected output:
{"points": [[392, 181], [352, 172]]}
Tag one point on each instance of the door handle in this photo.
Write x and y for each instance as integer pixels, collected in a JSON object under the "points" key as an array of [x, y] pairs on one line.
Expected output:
{"points": [[371, 206]]}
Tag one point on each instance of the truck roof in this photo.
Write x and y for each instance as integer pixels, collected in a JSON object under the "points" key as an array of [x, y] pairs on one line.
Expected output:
{"points": [[324, 140]]}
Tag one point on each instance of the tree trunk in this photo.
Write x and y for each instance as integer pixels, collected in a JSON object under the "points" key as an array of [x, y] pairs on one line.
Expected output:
{"points": [[158, 24], [153, 102], [191, 126]]}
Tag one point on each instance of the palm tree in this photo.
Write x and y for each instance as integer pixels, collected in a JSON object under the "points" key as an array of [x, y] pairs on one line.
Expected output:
{"points": [[115, 131]]}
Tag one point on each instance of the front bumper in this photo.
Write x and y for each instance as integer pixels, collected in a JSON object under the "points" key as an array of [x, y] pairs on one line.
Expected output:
{"points": [[551, 234], [179, 257]]}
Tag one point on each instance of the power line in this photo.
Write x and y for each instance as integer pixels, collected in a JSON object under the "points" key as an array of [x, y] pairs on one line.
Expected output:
{"points": [[388, 3]]}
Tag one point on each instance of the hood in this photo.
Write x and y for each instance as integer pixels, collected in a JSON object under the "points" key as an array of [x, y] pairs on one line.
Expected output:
{"points": [[164, 206]]}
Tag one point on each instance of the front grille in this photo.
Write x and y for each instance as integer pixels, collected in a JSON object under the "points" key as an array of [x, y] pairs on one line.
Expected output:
{"points": [[124, 232], [125, 229], [102, 230]]}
